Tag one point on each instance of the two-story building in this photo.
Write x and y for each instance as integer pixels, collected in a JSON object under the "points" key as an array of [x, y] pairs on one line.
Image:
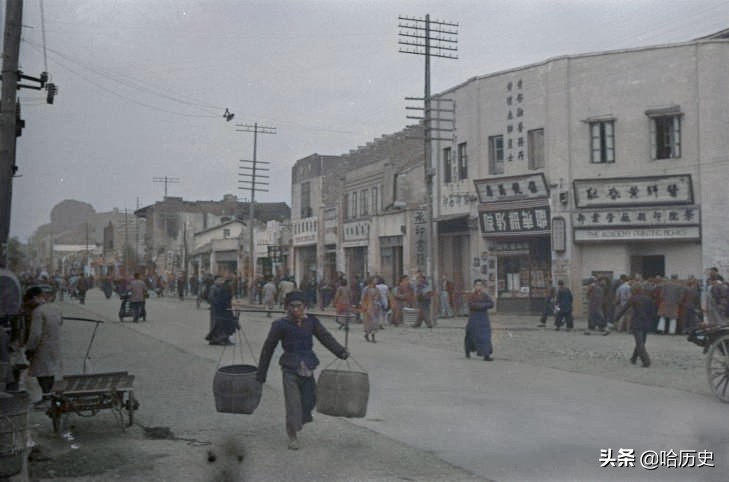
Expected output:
{"points": [[358, 213], [603, 163]]}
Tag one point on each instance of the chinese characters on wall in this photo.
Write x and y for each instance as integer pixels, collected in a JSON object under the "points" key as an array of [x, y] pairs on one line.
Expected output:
{"points": [[515, 131], [420, 224]]}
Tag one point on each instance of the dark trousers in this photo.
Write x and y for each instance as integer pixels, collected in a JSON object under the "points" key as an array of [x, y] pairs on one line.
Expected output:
{"points": [[639, 351], [564, 317], [136, 307], [299, 399], [548, 311]]}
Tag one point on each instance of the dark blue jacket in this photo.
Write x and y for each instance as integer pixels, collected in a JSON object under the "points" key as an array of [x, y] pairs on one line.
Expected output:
{"points": [[297, 343]]}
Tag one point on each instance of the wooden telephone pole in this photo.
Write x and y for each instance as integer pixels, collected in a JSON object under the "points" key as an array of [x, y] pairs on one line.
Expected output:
{"points": [[8, 106], [251, 181], [429, 38]]}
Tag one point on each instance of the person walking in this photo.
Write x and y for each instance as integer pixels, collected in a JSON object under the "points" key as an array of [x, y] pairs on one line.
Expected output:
{"points": [[672, 295], [269, 295], [644, 314], [82, 286], [446, 297], [622, 294], [138, 292], [43, 347], [548, 309], [423, 296], [403, 296], [371, 308], [478, 329], [295, 332], [342, 303], [563, 306], [596, 299], [222, 323]]}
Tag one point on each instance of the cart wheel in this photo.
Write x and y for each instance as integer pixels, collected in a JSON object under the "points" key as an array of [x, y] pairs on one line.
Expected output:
{"points": [[717, 368]]}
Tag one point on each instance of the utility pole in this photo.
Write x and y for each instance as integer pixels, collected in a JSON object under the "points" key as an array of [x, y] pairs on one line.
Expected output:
{"points": [[8, 106], [166, 180], [430, 38], [126, 244], [250, 181]]}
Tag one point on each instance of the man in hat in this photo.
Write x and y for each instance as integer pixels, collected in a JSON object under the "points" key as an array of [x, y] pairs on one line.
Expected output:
{"points": [[295, 331], [43, 348]]}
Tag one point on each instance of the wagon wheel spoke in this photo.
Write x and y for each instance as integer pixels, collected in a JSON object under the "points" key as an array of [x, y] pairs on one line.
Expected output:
{"points": [[717, 368]]}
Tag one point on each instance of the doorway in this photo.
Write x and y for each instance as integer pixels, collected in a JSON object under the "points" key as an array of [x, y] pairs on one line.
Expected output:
{"points": [[648, 266]]}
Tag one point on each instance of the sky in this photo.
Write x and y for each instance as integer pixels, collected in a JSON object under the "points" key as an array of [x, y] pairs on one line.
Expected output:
{"points": [[143, 84]]}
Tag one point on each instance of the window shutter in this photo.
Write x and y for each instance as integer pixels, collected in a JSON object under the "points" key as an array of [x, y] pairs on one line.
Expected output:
{"points": [[653, 139]]}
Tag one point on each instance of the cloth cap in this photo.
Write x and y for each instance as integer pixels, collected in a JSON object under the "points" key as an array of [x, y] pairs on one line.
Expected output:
{"points": [[295, 296]]}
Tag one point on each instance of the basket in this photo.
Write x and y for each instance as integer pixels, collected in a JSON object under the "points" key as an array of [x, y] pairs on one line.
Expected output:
{"points": [[342, 393], [236, 389], [410, 315], [13, 426]]}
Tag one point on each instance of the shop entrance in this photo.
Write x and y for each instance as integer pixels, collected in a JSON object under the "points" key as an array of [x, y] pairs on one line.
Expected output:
{"points": [[648, 266]]}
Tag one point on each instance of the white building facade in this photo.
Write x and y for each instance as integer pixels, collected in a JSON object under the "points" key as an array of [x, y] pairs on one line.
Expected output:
{"points": [[607, 163]]}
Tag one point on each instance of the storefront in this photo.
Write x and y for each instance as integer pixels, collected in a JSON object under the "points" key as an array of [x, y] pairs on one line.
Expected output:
{"points": [[356, 240], [454, 257], [515, 224], [391, 265], [644, 225]]}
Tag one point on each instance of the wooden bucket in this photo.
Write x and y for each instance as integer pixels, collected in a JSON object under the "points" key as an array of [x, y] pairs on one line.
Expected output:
{"points": [[236, 389], [13, 427], [342, 393], [410, 315]]}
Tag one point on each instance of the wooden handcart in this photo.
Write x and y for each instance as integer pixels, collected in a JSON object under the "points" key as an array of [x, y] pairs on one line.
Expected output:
{"points": [[86, 395], [715, 342]]}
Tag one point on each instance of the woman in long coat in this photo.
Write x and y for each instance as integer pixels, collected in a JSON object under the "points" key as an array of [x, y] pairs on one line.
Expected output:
{"points": [[342, 302], [371, 307], [478, 329], [403, 296]]}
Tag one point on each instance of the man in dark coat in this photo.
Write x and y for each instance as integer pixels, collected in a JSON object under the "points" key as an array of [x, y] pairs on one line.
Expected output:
{"points": [[644, 315], [563, 306], [478, 329], [295, 332], [223, 322]]}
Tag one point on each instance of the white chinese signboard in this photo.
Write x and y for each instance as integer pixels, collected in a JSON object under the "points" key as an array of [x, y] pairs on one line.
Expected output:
{"points": [[515, 221], [643, 217], [634, 191], [511, 188], [357, 232]]}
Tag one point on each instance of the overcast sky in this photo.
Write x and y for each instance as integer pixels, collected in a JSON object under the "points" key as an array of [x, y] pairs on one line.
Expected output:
{"points": [[143, 84]]}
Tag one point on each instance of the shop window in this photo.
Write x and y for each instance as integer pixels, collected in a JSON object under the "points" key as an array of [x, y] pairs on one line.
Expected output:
{"points": [[602, 141], [447, 165], [535, 148], [462, 161], [665, 125], [496, 155]]}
